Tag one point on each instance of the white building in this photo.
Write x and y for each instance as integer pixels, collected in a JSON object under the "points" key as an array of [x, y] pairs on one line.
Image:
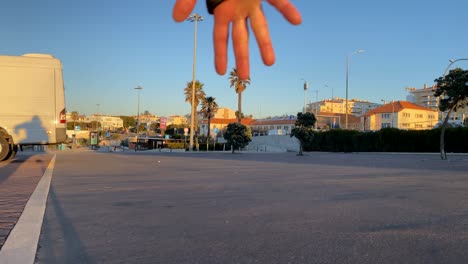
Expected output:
{"points": [[337, 105], [425, 97], [107, 122]]}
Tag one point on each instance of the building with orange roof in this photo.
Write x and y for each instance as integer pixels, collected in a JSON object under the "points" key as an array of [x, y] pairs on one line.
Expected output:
{"points": [[222, 118], [402, 115]]}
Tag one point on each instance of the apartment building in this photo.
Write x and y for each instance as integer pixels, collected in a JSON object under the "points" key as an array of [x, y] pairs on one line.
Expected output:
{"points": [[425, 97], [337, 105], [402, 115], [177, 120], [107, 122]]}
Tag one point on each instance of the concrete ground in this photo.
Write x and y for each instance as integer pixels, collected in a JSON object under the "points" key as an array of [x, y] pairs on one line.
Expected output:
{"points": [[256, 208], [143, 207]]}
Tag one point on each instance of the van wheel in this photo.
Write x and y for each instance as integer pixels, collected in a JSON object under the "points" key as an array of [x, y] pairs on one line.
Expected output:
{"points": [[4, 148], [12, 153]]}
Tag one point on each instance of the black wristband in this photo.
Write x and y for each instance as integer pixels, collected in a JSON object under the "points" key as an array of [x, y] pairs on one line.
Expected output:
{"points": [[212, 4]]}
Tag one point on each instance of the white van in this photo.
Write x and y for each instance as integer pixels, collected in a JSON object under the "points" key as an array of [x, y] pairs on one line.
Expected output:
{"points": [[32, 102]]}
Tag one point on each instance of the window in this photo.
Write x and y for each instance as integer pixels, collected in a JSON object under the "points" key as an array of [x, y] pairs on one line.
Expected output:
{"points": [[385, 125], [278, 127], [418, 115], [418, 125], [405, 125], [385, 115], [286, 128], [406, 115], [430, 116]]}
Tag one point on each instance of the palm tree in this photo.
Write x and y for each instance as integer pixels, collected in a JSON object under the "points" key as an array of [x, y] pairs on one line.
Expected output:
{"points": [[74, 117], [209, 108], [199, 97], [239, 86]]}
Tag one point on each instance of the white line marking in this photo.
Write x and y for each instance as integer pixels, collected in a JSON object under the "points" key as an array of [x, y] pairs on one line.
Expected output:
{"points": [[21, 245]]}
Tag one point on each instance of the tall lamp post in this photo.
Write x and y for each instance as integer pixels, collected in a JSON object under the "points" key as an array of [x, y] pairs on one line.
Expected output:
{"points": [[331, 96], [306, 86], [317, 106], [450, 64], [331, 90], [347, 71], [193, 18], [138, 88]]}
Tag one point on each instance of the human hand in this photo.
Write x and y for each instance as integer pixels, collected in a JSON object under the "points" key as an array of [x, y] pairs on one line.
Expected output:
{"points": [[237, 12]]}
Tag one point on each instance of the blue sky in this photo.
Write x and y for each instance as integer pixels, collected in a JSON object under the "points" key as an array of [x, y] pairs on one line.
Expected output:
{"points": [[108, 47]]}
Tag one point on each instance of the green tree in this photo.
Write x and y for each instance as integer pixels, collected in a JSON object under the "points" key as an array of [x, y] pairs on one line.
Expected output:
{"points": [[452, 90], [208, 109], [237, 135], [74, 116], [95, 125], [146, 112], [303, 129], [70, 126], [141, 127], [199, 97], [239, 86], [128, 121], [241, 115], [155, 126]]}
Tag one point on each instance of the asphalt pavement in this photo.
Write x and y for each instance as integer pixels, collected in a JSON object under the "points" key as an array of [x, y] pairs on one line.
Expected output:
{"points": [[142, 207]]}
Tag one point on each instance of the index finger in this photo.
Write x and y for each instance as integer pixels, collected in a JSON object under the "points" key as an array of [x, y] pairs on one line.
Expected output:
{"points": [[220, 41], [288, 10]]}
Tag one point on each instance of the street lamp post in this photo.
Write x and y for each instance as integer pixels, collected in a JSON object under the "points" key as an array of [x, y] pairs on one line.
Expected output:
{"points": [[331, 96], [193, 18], [306, 86], [450, 64], [347, 71], [317, 106], [138, 88], [331, 90]]}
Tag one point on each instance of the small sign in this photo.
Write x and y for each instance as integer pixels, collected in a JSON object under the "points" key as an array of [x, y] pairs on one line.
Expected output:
{"points": [[94, 138], [216, 130], [163, 123], [77, 128]]}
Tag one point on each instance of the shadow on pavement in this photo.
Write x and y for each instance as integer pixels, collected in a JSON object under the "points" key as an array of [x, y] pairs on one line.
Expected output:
{"points": [[63, 245]]}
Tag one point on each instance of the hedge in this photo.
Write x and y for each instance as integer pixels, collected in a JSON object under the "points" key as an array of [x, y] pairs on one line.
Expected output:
{"points": [[389, 140]]}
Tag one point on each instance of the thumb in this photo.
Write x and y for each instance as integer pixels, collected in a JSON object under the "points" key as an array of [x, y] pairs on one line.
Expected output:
{"points": [[182, 9]]}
